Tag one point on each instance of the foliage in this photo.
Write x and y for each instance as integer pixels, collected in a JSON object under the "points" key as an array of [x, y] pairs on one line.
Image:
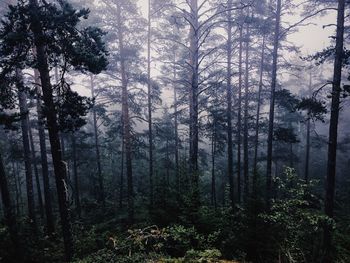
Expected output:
{"points": [[295, 219]]}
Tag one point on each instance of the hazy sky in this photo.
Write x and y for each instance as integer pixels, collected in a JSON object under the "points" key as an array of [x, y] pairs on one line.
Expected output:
{"points": [[310, 38]]}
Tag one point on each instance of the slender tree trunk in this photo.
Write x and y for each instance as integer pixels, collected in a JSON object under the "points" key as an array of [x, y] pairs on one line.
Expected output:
{"points": [[308, 132], [17, 186], [121, 186], [9, 215], [229, 105], [50, 225], [101, 194], [36, 172], [239, 120], [333, 134], [272, 104], [194, 36], [257, 124], [246, 117], [176, 128], [149, 104], [126, 119], [26, 147], [59, 165], [75, 174], [307, 155], [194, 54], [213, 175]]}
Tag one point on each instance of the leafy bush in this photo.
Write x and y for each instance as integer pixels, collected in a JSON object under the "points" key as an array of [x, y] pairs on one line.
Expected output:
{"points": [[295, 220]]}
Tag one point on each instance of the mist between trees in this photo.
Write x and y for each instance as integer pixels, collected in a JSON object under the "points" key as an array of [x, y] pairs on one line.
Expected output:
{"points": [[174, 131]]}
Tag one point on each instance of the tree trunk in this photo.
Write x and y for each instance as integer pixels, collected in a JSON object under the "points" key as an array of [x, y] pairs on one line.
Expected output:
{"points": [[149, 105], [177, 174], [121, 186], [50, 225], [59, 165], [246, 117], [239, 117], [213, 176], [257, 125], [17, 186], [101, 194], [272, 104], [36, 172], [333, 134], [75, 174], [22, 97], [229, 104], [126, 120], [308, 132], [9, 215], [194, 54]]}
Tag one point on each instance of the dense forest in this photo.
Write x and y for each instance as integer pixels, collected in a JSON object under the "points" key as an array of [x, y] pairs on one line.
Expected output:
{"points": [[175, 131]]}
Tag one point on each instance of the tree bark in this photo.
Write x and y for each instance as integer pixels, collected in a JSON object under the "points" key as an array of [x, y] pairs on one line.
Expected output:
{"points": [[101, 194], [272, 104], [50, 225], [36, 172], [76, 176], [149, 104], [22, 97], [176, 128], [257, 124], [246, 117], [59, 165], [126, 119], [239, 117], [9, 215], [308, 132], [229, 105], [194, 63], [121, 186], [213, 175], [333, 134]]}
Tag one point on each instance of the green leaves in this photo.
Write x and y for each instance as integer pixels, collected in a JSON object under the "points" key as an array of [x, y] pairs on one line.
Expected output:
{"points": [[316, 109]]}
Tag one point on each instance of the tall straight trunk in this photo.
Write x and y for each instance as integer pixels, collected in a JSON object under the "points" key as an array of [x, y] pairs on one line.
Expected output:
{"points": [[59, 165], [149, 105], [50, 225], [257, 125], [194, 42], [333, 133], [101, 194], [307, 154], [75, 175], [10, 218], [239, 117], [246, 117], [121, 186], [272, 103], [36, 172], [17, 186], [229, 104], [22, 97], [177, 174], [126, 118], [308, 132], [213, 175]]}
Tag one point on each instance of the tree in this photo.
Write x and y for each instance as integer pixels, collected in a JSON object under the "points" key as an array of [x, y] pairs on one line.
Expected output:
{"points": [[26, 146], [333, 132], [81, 49], [272, 102], [50, 225], [229, 96]]}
